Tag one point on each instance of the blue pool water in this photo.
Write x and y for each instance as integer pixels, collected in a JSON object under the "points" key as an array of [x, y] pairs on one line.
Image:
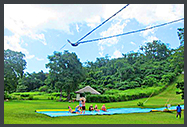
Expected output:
{"points": [[109, 111]]}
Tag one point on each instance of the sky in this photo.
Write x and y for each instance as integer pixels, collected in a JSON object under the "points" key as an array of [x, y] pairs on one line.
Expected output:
{"points": [[37, 30]]}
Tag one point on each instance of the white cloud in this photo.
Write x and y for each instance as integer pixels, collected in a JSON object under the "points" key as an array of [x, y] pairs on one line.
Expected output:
{"points": [[93, 21], [117, 54], [13, 43], [150, 39], [101, 54], [77, 27], [40, 37], [133, 43], [116, 28], [25, 20], [60, 16], [101, 49], [32, 19], [136, 50], [147, 32], [29, 56], [39, 59], [110, 9], [148, 14], [149, 35]]}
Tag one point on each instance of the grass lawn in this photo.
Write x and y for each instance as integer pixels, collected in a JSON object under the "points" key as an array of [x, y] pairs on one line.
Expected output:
{"points": [[23, 111]]}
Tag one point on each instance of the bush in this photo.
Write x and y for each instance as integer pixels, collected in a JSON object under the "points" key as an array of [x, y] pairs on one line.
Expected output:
{"points": [[58, 94], [24, 95], [112, 91], [22, 88], [168, 78], [43, 88], [123, 87], [49, 91], [140, 103], [30, 97], [112, 98], [13, 97], [6, 95], [22, 98], [105, 98]]}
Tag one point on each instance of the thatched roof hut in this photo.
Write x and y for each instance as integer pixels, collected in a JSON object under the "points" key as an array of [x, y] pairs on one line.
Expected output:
{"points": [[85, 90]]}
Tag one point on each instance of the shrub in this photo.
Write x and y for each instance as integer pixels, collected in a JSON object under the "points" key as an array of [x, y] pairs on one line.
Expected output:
{"points": [[112, 98], [22, 98], [6, 95], [22, 88], [58, 94], [112, 91], [24, 95], [49, 90], [140, 103], [125, 95], [105, 98], [123, 87], [43, 88], [14, 97], [30, 97], [168, 78]]}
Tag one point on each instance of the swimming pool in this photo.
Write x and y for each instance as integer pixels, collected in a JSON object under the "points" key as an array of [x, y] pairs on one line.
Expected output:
{"points": [[109, 111]]}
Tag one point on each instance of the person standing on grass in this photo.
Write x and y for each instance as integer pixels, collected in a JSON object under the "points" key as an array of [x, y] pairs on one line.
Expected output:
{"points": [[80, 104], [178, 111], [83, 105]]}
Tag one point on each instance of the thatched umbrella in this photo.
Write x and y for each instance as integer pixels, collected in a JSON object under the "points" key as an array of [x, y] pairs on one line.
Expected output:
{"points": [[86, 90]]}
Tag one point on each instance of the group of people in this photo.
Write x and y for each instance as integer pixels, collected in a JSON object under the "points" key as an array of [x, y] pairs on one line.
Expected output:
{"points": [[103, 108], [178, 109], [80, 109]]}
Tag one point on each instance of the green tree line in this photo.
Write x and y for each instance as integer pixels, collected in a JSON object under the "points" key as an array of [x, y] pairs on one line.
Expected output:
{"points": [[155, 64]]}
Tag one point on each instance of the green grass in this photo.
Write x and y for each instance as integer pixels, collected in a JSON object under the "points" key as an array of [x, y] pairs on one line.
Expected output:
{"points": [[23, 111]]}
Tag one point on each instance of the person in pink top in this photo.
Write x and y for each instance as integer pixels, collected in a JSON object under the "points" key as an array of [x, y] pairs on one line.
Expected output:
{"points": [[96, 109]]}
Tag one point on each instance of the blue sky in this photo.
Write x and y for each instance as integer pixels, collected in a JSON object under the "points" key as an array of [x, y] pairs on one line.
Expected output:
{"points": [[38, 30]]}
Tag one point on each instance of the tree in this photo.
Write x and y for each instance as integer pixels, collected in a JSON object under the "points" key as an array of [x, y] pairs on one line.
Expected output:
{"points": [[30, 81], [67, 71], [181, 35], [14, 65], [41, 76], [21, 88], [156, 50], [180, 85], [178, 55]]}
